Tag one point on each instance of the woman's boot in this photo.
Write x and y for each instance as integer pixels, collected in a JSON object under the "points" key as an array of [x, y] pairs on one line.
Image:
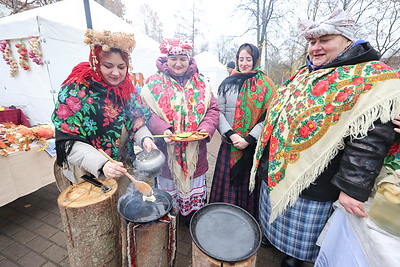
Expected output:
{"points": [[290, 261]]}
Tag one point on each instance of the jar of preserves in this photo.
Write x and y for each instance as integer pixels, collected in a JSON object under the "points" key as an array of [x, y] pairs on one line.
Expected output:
{"points": [[385, 207]]}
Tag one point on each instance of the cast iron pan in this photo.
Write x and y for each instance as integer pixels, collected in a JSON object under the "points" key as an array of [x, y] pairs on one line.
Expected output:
{"points": [[132, 207], [225, 232]]}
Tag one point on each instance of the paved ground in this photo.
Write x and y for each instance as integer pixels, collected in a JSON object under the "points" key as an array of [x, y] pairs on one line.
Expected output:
{"points": [[31, 231]]}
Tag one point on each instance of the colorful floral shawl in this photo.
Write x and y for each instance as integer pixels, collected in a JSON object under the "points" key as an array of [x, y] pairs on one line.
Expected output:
{"points": [[184, 108], [314, 112], [91, 111], [253, 100]]}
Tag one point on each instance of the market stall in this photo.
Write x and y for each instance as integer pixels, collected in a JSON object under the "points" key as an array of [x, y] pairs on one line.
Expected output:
{"points": [[23, 172], [39, 48], [26, 160]]}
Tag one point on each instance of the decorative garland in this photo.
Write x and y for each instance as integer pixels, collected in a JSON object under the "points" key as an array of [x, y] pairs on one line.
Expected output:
{"points": [[34, 50], [23, 58], [7, 56]]}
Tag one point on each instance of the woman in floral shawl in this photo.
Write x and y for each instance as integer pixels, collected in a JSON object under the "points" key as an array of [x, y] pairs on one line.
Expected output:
{"points": [[96, 104], [243, 99], [325, 137], [182, 97]]}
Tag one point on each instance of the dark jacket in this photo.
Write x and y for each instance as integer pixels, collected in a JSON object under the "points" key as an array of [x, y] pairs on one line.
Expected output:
{"points": [[354, 169]]}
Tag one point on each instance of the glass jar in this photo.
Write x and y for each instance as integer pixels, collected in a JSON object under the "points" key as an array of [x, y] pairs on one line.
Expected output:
{"points": [[385, 208]]}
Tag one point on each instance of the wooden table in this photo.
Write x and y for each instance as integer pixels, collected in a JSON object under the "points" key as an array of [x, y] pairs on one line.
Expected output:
{"points": [[24, 172]]}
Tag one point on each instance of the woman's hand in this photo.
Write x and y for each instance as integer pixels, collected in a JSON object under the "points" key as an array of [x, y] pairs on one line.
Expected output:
{"points": [[167, 139], [202, 131], [114, 170], [148, 144], [238, 141], [351, 205], [397, 123]]}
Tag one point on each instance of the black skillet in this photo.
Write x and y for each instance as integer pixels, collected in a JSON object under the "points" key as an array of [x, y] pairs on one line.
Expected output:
{"points": [[225, 232], [133, 208]]}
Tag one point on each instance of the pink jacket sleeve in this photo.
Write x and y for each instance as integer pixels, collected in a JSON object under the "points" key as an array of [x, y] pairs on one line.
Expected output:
{"points": [[157, 125], [210, 120]]}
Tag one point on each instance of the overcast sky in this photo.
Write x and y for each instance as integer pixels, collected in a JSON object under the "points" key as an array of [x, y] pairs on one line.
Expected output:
{"points": [[218, 18]]}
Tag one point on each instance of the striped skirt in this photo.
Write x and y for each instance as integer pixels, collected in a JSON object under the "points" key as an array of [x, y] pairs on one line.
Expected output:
{"points": [[296, 231]]}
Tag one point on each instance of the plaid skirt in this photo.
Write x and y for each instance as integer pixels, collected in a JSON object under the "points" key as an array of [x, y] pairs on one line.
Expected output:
{"points": [[296, 231], [238, 194]]}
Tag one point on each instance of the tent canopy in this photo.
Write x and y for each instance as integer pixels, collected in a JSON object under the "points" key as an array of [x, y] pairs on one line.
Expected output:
{"points": [[60, 27], [210, 67]]}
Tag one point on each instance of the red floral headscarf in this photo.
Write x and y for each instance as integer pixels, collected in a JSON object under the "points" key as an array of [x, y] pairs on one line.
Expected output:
{"points": [[176, 46], [84, 70]]}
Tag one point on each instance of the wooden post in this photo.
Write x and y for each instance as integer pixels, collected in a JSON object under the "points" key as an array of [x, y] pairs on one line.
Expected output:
{"points": [[91, 224], [200, 259]]}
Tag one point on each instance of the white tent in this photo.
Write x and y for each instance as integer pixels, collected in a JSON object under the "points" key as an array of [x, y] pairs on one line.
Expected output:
{"points": [[60, 27], [210, 67]]}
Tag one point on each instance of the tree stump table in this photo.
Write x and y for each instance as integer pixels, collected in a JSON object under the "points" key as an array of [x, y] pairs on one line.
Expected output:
{"points": [[200, 259], [91, 224]]}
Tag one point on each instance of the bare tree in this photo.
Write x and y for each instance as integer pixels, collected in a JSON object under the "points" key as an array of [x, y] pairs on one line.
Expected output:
{"points": [[357, 7], [286, 57], [190, 26], [226, 49], [17, 6], [377, 21], [382, 28], [261, 14], [151, 23]]}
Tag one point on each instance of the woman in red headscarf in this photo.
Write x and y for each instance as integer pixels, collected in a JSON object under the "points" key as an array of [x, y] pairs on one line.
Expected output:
{"points": [[182, 97], [97, 103]]}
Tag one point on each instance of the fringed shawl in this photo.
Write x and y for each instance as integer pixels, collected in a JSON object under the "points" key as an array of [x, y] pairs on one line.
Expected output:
{"points": [[255, 93], [184, 107], [313, 114]]}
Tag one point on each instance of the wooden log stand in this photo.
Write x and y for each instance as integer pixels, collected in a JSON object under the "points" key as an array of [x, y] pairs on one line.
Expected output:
{"points": [[91, 224], [200, 259]]}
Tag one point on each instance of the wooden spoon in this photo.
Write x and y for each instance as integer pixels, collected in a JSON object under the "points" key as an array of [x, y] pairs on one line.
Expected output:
{"points": [[141, 186]]}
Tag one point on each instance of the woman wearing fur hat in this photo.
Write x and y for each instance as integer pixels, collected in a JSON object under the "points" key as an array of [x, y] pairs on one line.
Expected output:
{"points": [[325, 137], [97, 103], [183, 99], [243, 99]]}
